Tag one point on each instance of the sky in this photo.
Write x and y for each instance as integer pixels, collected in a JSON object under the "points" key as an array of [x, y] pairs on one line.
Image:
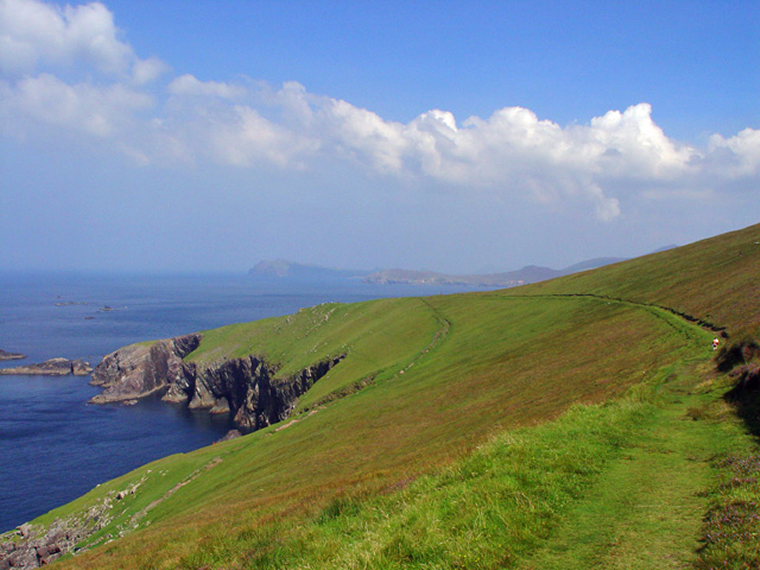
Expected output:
{"points": [[453, 136]]}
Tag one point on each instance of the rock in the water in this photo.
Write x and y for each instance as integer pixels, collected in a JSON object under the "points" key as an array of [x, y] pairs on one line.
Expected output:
{"points": [[52, 367], [222, 406], [5, 355]]}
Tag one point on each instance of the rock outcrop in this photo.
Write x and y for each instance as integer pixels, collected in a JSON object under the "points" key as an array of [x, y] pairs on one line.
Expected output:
{"points": [[52, 367], [245, 388], [139, 370], [5, 355], [32, 546]]}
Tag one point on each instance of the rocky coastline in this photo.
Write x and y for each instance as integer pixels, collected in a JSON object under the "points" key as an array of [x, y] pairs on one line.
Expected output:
{"points": [[51, 367], [248, 389], [245, 388], [32, 546]]}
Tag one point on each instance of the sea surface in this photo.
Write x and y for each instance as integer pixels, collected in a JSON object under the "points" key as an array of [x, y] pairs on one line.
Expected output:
{"points": [[54, 447]]}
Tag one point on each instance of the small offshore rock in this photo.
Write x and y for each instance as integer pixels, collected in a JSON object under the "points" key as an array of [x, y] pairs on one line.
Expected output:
{"points": [[5, 355], [52, 367]]}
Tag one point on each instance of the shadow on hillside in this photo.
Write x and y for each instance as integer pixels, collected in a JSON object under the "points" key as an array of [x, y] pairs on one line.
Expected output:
{"points": [[747, 405], [742, 362]]}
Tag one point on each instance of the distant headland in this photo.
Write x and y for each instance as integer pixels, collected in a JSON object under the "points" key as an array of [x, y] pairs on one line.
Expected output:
{"points": [[287, 271]]}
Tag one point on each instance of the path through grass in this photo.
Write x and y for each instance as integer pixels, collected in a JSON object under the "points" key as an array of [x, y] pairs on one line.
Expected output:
{"points": [[619, 485], [645, 512]]}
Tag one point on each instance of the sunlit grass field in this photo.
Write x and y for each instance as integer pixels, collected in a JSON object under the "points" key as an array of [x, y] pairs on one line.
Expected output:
{"points": [[562, 425]]}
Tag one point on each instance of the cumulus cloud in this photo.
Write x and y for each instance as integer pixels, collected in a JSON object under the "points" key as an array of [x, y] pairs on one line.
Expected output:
{"points": [[614, 157], [147, 70], [513, 152], [191, 86], [361, 135], [37, 36], [253, 139], [95, 110], [740, 154]]}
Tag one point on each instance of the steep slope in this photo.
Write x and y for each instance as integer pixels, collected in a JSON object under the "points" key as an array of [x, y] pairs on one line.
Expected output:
{"points": [[398, 431]]}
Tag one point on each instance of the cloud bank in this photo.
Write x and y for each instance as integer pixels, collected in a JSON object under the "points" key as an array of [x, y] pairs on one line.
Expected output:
{"points": [[66, 73]]}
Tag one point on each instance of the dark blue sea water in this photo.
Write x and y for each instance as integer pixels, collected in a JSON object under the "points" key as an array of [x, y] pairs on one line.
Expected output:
{"points": [[54, 446]]}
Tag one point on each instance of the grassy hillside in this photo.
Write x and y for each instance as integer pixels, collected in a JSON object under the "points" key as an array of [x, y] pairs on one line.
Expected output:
{"points": [[529, 428], [715, 279]]}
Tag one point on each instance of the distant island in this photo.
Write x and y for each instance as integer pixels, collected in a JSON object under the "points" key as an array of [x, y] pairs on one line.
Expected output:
{"points": [[528, 274], [282, 270]]}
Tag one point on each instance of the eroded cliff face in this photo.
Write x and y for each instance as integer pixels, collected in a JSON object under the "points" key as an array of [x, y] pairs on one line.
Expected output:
{"points": [[139, 370], [242, 387]]}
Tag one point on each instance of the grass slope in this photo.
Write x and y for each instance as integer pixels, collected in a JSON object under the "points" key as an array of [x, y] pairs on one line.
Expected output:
{"points": [[714, 279], [459, 450], [644, 512]]}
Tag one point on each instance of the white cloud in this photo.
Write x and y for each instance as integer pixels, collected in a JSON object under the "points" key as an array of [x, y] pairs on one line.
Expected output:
{"points": [[34, 33], [101, 111], [250, 139], [191, 86], [631, 144], [147, 70], [740, 153], [361, 135], [35, 36], [616, 157]]}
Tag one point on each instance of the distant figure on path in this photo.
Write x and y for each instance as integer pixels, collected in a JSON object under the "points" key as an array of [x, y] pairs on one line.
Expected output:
{"points": [[716, 342]]}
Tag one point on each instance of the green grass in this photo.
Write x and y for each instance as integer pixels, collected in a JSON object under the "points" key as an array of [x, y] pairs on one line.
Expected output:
{"points": [[646, 511], [521, 428], [486, 375], [481, 512], [612, 486], [714, 279]]}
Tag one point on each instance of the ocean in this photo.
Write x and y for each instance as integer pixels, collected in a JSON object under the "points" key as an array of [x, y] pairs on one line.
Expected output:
{"points": [[54, 447]]}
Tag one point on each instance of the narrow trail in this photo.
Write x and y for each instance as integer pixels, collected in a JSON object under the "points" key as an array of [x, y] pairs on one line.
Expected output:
{"points": [[691, 319], [646, 511], [444, 328], [687, 317]]}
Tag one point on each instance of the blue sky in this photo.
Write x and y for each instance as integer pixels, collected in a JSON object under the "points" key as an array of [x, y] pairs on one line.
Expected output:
{"points": [[454, 136]]}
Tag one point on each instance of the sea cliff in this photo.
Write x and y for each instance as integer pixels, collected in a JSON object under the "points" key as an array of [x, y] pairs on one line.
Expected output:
{"points": [[245, 388]]}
